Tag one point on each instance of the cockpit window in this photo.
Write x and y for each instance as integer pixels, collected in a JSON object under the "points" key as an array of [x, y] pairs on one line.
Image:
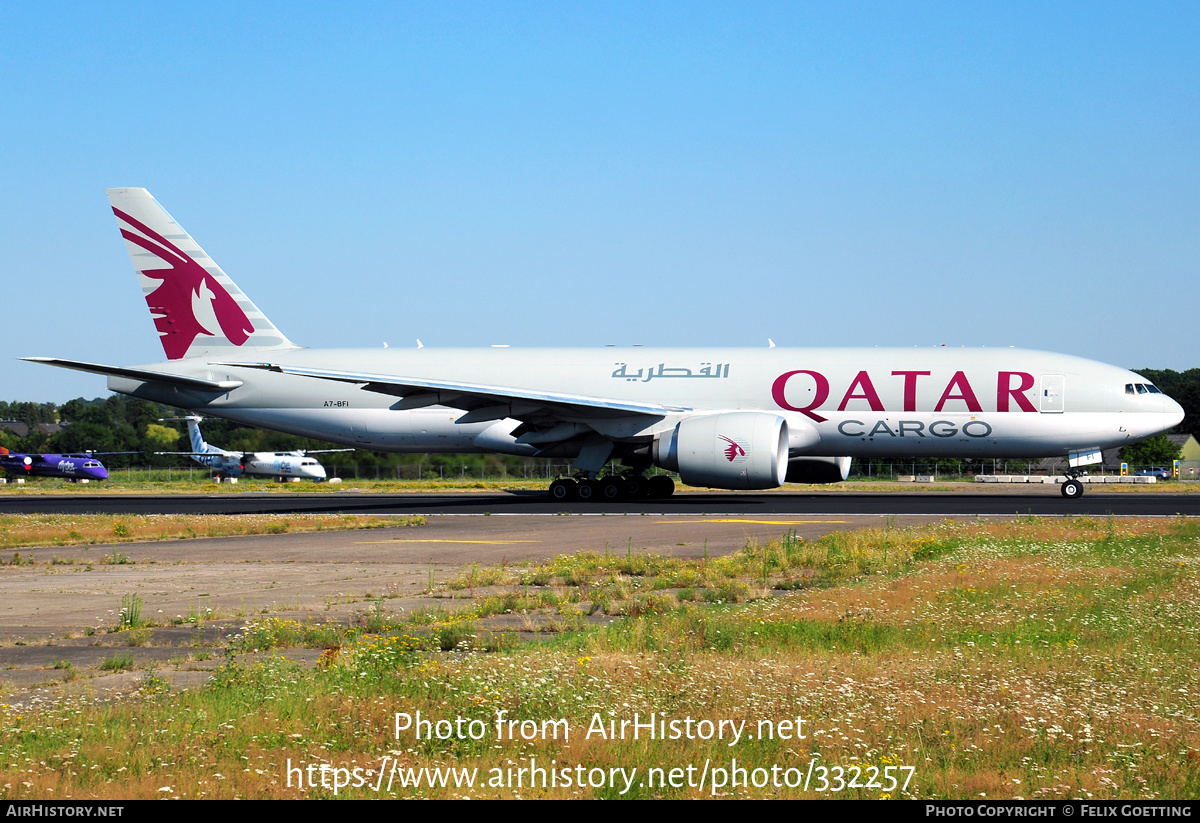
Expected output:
{"points": [[1129, 389], [1140, 388], [1153, 389]]}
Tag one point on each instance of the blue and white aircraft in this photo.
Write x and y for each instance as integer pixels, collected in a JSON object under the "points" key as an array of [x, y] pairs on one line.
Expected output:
{"points": [[280, 465]]}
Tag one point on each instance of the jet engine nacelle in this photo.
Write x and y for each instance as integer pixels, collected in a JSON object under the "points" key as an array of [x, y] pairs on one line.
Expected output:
{"points": [[733, 450], [818, 469]]}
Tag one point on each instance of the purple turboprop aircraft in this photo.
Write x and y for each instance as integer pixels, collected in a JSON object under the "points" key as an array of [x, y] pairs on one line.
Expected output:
{"points": [[66, 466]]}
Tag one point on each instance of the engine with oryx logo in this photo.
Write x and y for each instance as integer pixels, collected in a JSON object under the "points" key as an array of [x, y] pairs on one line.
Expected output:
{"points": [[734, 450]]}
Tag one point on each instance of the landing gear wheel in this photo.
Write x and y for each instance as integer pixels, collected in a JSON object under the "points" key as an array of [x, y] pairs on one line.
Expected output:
{"points": [[1072, 489], [660, 486], [586, 490], [635, 487], [562, 490], [612, 488]]}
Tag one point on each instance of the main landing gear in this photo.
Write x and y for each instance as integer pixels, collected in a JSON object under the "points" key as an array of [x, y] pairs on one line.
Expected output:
{"points": [[1072, 489], [629, 486]]}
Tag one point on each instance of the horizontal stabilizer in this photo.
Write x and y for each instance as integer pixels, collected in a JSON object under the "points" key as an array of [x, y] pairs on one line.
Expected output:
{"points": [[145, 375]]}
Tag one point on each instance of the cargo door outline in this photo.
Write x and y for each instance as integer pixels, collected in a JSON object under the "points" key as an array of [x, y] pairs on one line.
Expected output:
{"points": [[1053, 394]]}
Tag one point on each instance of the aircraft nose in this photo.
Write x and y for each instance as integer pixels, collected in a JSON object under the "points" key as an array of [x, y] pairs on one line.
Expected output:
{"points": [[1174, 410]]}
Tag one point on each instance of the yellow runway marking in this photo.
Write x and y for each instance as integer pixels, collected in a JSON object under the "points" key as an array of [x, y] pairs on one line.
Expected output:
{"points": [[744, 520], [406, 540]]}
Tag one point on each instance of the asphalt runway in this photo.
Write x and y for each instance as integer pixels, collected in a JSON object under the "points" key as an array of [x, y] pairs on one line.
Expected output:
{"points": [[1038, 500], [62, 603], [66, 588]]}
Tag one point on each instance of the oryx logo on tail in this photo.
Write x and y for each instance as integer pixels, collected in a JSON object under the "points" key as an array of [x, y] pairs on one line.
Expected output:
{"points": [[190, 301], [733, 450]]}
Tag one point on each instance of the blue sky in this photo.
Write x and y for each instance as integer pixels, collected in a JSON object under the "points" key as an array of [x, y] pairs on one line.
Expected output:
{"points": [[826, 174]]}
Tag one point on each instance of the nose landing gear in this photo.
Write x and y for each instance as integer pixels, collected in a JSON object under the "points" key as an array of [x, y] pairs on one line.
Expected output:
{"points": [[1072, 489]]}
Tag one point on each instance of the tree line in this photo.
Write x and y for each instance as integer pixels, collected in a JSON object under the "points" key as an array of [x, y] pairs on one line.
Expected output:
{"points": [[126, 424]]}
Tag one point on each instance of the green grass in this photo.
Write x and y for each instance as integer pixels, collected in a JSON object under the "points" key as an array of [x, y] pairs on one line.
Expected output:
{"points": [[130, 615], [118, 663]]}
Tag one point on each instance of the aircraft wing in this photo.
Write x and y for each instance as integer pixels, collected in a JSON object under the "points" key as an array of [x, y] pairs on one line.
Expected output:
{"points": [[210, 454], [482, 402], [145, 375]]}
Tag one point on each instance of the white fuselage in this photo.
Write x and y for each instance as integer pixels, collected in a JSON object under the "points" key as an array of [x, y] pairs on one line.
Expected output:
{"points": [[262, 464], [847, 402]]}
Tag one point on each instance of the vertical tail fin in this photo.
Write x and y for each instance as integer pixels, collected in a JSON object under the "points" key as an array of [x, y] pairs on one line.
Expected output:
{"points": [[197, 439], [197, 309]]}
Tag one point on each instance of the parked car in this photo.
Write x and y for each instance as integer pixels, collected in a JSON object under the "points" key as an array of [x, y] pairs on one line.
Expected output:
{"points": [[1155, 471]]}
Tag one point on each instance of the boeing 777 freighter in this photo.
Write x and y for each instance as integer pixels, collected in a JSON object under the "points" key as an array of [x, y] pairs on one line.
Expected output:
{"points": [[721, 418]]}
